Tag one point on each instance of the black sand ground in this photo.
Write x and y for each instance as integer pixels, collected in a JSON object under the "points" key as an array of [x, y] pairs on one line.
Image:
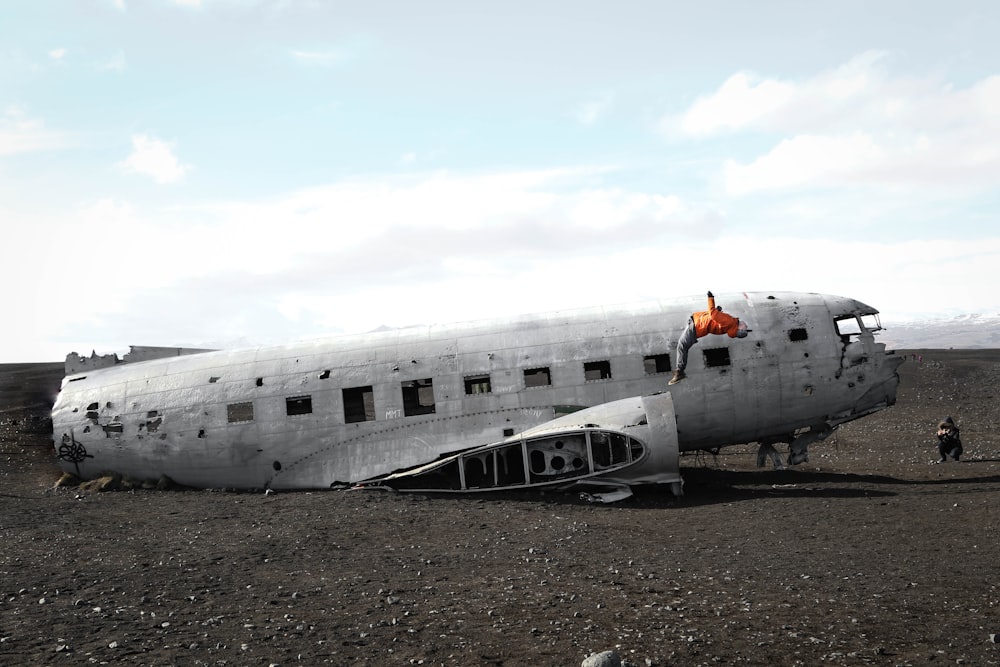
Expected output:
{"points": [[867, 555]]}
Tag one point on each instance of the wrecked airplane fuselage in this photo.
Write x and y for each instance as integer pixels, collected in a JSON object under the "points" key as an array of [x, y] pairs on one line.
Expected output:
{"points": [[496, 399]]}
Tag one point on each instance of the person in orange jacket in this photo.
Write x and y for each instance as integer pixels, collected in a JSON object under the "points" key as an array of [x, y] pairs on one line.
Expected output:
{"points": [[702, 323]]}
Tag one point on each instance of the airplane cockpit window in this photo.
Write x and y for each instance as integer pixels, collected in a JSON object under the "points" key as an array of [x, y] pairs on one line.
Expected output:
{"points": [[847, 327], [871, 322], [851, 326], [857, 335]]}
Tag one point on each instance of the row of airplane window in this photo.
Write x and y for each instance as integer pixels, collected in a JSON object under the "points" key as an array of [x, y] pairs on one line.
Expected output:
{"points": [[418, 395]]}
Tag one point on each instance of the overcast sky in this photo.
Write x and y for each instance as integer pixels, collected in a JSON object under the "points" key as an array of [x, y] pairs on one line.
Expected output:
{"points": [[218, 172]]}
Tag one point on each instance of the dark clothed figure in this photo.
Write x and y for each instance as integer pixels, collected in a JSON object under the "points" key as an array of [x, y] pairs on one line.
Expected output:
{"points": [[949, 442]]}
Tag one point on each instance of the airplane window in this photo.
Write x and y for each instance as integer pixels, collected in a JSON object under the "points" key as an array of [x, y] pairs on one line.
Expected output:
{"points": [[848, 326], [718, 356], [418, 397], [298, 405], [798, 334], [657, 363], [608, 449], [871, 322], [359, 404], [537, 377], [597, 370], [239, 412], [477, 384]]}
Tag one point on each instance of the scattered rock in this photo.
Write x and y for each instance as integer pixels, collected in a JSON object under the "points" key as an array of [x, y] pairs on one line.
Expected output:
{"points": [[101, 484], [605, 659], [67, 480]]}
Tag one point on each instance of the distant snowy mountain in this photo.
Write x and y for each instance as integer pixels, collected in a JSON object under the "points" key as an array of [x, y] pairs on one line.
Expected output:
{"points": [[961, 332]]}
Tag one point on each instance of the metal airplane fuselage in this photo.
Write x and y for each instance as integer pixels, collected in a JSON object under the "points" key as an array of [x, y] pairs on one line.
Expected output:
{"points": [[319, 414]]}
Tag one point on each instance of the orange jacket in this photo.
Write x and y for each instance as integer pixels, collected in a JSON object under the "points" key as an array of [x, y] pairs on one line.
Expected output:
{"points": [[714, 321]]}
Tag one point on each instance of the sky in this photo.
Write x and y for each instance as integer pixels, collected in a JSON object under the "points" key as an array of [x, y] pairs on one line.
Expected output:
{"points": [[218, 173]]}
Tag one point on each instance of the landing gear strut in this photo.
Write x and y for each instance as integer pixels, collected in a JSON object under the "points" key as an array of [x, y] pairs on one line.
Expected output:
{"points": [[798, 447]]}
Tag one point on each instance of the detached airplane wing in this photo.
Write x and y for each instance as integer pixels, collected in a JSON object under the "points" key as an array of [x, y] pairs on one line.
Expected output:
{"points": [[629, 441]]}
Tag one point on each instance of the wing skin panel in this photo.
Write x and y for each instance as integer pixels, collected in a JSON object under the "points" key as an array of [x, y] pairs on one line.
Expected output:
{"points": [[623, 442]]}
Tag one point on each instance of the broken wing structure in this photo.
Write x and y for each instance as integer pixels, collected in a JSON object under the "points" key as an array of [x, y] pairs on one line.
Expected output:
{"points": [[575, 398], [630, 441]]}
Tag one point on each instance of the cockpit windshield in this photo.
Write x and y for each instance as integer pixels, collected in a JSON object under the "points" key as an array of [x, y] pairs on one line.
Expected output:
{"points": [[852, 325], [871, 322], [848, 326]]}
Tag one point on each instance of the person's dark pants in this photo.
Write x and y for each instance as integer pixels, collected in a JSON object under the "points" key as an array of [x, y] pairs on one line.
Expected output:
{"points": [[946, 449], [688, 338]]}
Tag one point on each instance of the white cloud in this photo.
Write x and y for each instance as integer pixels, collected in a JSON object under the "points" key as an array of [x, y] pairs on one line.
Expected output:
{"points": [[115, 63], [609, 208], [57, 54], [852, 125], [439, 247], [747, 101], [806, 159], [154, 158], [740, 102], [319, 58], [924, 272], [347, 50], [20, 134], [372, 243], [560, 203], [593, 110]]}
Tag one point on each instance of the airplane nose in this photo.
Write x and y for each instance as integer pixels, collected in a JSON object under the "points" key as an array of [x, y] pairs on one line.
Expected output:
{"points": [[889, 379]]}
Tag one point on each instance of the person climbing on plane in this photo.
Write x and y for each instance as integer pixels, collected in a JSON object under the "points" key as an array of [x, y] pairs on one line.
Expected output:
{"points": [[702, 323]]}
